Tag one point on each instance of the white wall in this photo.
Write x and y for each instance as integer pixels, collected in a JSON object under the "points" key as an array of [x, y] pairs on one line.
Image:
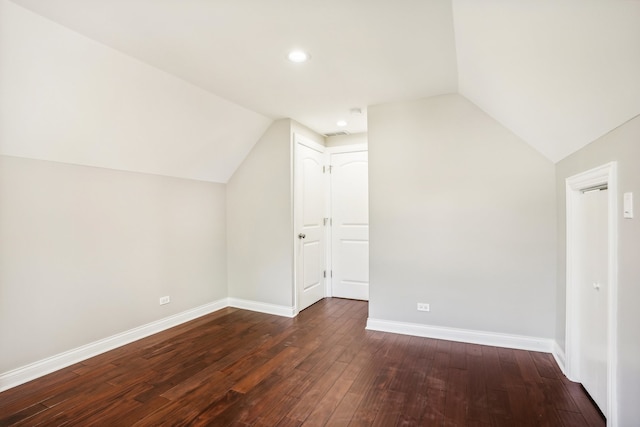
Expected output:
{"points": [[621, 145], [299, 128], [70, 99], [462, 216], [85, 253], [259, 221], [351, 139]]}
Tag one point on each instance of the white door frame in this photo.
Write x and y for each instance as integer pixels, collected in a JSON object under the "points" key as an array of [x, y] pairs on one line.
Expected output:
{"points": [[605, 174], [300, 139], [349, 148]]}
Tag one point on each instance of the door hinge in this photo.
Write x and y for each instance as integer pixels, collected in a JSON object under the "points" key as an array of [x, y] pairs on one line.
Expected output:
{"points": [[326, 221], [324, 274], [326, 169]]}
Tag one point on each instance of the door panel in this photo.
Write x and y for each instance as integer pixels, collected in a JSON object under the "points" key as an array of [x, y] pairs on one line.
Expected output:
{"points": [[350, 225], [312, 264], [310, 212]]}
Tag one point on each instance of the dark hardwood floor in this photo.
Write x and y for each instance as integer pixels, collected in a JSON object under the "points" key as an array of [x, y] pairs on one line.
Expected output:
{"points": [[240, 368]]}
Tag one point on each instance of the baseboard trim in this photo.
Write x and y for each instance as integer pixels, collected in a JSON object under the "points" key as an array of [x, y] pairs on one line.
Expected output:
{"points": [[495, 339], [51, 364], [43, 367], [558, 354], [262, 307]]}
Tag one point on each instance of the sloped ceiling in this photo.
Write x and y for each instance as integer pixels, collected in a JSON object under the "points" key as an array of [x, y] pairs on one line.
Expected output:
{"points": [[558, 74], [362, 52]]}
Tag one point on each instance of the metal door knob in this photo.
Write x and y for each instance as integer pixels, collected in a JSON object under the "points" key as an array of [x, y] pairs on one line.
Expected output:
{"points": [[596, 286], [301, 236]]}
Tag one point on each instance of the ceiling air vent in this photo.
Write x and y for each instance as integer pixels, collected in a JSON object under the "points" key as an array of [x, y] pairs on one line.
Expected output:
{"points": [[336, 133]]}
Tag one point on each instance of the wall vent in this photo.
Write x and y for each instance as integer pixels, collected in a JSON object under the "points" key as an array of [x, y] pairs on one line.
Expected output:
{"points": [[336, 134]]}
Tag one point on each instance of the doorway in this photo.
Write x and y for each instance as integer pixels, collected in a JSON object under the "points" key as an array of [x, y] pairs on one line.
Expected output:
{"points": [[331, 222], [592, 284]]}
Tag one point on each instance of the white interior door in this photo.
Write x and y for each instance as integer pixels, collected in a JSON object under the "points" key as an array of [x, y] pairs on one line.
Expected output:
{"points": [[309, 202], [592, 294], [350, 225], [592, 285]]}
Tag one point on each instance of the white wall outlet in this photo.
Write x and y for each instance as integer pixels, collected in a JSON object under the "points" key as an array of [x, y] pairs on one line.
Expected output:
{"points": [[165, 300], [423, 306]]}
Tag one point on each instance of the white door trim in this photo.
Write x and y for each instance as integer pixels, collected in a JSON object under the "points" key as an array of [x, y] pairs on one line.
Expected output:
{"points": [[605, 174]]}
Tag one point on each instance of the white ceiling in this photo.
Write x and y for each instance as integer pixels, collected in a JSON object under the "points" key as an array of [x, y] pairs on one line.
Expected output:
{"points": [[559, 74], [363, 52]]}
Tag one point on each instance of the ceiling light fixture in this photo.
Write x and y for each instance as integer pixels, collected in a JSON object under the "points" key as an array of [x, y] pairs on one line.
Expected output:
{"points": [[298, 56], [341, 123]]}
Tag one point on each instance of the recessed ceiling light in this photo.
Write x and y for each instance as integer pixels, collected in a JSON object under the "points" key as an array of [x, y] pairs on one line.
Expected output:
{"points": [[298, 56], [341, 123]]}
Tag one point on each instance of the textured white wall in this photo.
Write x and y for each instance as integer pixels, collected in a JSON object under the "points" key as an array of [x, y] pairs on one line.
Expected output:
{"points": [[85, 253], [462, 216], [621, 145]]}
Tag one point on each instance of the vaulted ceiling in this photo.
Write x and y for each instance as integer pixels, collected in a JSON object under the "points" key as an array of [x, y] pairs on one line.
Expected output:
{"points": [[559, 74]]}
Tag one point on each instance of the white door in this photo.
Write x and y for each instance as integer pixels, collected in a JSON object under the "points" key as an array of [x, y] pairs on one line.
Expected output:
{"points": [[592, 291], [309, 202], [350, 225]]}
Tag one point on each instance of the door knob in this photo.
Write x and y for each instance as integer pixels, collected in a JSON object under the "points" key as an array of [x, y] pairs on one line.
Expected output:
{"points": [[301, 236], [596, 286]]}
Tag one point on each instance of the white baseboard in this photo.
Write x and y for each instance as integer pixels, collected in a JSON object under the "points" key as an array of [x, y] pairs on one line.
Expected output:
{"points": [[46, 366], [62, 360], [262, 307], [558, 354], [519, 342]]}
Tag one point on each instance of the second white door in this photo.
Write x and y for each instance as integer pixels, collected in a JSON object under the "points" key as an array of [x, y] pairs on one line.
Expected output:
{"points": [[350, 225]]}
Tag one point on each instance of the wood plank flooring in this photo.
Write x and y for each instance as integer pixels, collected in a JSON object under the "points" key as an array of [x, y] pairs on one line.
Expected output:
{"points": [[240, 368]]}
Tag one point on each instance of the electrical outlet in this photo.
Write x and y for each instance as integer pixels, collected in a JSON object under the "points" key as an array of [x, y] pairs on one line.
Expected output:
{"points": [[423, 306], [165, 300]]}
